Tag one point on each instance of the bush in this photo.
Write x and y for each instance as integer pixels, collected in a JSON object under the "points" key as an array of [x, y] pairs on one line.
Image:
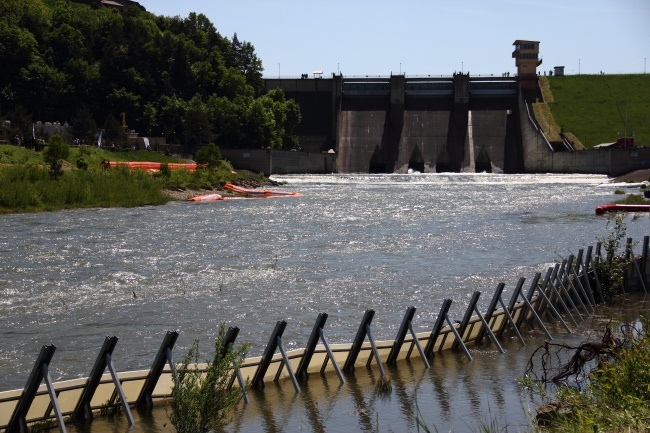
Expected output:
{"points": [[209, 155], [56, 151], [202, 398]]}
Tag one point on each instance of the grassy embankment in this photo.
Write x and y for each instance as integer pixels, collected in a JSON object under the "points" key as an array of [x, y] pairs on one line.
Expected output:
{"points": [[595, 109], [26, 185]]}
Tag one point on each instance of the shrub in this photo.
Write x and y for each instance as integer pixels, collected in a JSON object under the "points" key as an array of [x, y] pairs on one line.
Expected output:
{"points": [[55, 152], [202, 398]]}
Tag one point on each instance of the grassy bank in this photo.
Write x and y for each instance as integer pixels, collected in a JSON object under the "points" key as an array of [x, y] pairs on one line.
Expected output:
{"points": [[598, 108], [26, 184]]}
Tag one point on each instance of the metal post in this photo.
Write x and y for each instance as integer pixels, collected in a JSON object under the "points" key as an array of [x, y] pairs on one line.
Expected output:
{"points": [[513, 301], [583, 292], [417, 344], [289, 369], [590, 261], [375, 351], [458, 337], [358, 341], [102, 362], [466, 318], [229, 341], [53, 399], [554, 310], [301, 371], [636, 265], [559, 276], [163, 357], [401, 335], [515, 298], [644, 257], [118, 388], [437, 327], [585, 277], [269, 351], [559, 296], [491, 309], [487, 328], [40, 371], [330, 354], [536, 316], [582, 297], [512, 322], [577, 285]]}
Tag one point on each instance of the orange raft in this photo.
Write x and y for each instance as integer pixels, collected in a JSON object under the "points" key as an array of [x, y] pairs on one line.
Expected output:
{"points": [[247, 194], [207, 197], [622, 208], [260, 193]]}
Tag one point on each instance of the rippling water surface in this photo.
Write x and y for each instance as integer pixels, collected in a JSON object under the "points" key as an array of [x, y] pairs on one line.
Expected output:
{"points": [[352, 243]]}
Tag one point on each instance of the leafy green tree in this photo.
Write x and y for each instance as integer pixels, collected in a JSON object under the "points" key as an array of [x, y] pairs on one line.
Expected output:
{"points": [[209, 155], [83, 126], [21, 122], [55, 152], [197, 123], [247, 62], [286, 113], [113, 132]]}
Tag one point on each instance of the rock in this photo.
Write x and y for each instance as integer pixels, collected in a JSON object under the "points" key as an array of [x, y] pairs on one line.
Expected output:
{"points": [[550, 411]]}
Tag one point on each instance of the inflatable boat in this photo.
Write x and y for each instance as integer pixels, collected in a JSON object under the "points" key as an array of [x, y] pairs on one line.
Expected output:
{"points": [[266, 193]]}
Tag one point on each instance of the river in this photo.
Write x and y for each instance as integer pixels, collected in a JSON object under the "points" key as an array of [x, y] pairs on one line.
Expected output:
{"points": [[351, 243]]}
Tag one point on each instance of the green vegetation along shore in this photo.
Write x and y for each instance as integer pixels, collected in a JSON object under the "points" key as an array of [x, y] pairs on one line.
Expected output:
{"points": [[595, 109], [27, 184]]}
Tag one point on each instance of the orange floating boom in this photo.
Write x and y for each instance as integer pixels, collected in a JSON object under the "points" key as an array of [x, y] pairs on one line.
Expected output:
{"points": [[622, 208], [154, 166]]}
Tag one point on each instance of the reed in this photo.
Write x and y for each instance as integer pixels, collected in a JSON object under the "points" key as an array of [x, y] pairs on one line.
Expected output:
{"points": [[29, 188]]}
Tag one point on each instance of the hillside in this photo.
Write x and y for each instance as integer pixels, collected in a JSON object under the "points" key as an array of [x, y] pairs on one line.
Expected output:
{"points": [[597, 108]]}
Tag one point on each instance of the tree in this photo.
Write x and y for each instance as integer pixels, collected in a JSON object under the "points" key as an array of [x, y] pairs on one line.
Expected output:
{"points": [[247, 62], [55, 152], [209, 155], [113, 131], [84, 126], [198, 128]]}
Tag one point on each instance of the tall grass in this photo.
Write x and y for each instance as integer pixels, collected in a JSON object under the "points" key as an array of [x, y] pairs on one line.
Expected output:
{"points": [[29, 188], [26, 186]]}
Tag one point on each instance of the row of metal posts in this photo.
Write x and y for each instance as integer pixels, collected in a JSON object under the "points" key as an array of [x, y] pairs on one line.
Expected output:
{"points": [[565, 289]]}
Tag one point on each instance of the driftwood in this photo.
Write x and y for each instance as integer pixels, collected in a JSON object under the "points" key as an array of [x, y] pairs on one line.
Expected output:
{"points": [[580, 361]]}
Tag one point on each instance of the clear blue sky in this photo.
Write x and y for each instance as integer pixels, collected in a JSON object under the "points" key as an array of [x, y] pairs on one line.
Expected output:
{"points": [[429, 37]]}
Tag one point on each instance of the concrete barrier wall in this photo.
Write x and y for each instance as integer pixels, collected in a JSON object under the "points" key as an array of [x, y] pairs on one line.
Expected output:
{"points": [[272, 161]]}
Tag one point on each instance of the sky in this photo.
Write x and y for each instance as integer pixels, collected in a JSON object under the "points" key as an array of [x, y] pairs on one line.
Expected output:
{"points": [[429, 37]]}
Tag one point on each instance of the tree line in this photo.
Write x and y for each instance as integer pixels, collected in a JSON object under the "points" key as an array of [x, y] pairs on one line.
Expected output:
{"points": [[174, 77]]}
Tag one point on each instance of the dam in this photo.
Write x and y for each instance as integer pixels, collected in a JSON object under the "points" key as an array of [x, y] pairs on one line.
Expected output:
{"points": [[396, 124]]}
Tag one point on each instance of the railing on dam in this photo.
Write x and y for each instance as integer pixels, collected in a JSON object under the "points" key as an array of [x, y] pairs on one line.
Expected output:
{"points": [[568, 292]]}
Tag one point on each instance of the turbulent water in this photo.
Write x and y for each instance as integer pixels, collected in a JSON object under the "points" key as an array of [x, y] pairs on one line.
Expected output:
{"points": [[351, 243]]}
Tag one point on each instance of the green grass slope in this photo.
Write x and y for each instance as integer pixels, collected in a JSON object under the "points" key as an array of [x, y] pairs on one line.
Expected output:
{"points": [[597, 108]]}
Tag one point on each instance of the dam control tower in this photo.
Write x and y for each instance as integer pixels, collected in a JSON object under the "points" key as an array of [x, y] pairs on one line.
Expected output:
{"points": [[526, 55]]}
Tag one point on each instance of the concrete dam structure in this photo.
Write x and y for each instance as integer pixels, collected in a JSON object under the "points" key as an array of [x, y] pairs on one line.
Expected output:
{"points": [[402, 124], [397, 124]]}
